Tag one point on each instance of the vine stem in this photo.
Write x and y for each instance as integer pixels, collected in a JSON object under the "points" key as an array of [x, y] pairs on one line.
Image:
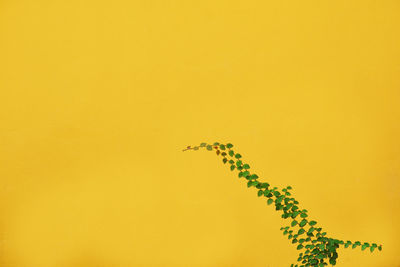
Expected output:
{"points": [[313, 257]]}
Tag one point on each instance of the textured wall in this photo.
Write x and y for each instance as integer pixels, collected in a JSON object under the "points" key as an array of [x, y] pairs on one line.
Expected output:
{"points": [[98, 99]]}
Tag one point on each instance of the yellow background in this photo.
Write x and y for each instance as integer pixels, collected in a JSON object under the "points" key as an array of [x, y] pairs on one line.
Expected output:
{"points": [[98, 99]]}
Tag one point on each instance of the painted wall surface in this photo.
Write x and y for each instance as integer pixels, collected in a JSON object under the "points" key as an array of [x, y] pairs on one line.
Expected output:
{"points": [[98, 99]]}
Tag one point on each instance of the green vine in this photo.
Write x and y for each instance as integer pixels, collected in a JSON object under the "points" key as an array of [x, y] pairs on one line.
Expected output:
{"points": [[317, 247]]}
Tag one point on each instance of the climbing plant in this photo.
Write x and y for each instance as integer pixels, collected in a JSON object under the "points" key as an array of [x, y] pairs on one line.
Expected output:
{"points": [[316, 247]]}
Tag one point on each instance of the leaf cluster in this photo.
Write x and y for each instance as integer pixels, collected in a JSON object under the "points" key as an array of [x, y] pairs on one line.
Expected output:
{"points": [[318, 249]]}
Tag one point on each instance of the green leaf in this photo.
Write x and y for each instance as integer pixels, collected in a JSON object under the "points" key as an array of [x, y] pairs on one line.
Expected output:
{"points": [[311, 230], [238, 156], [203, 144], [209, 147], [354, 245], [276, 193], [372, 249], [240, 174], [231, 161], [321, 246], [300, 246], [289, 187], [232, 167], [223, 154], [231, 153], [224, 160], [269, 201], [312, 223], [279, 199], [229, 145], [293, 223], [238, 163], [252, 183], [216, 144], [295, 214], [303, 215], [245, 173], [246, 166], [255, 176], [303, 222], [364, 246], [358, 243], [222, 147], [380, 248], [260, 193], [301, 231]]}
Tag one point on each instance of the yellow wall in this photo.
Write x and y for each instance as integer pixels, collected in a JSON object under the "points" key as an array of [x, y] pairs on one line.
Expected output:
{"points": [[98, 99]]}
